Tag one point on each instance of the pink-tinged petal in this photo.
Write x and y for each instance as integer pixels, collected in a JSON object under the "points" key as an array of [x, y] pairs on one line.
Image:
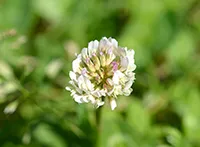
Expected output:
{"points": [[115, 65], [84, 71], [109, 52]]}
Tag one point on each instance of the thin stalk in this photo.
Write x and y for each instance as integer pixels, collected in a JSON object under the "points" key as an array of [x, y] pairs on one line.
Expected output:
{"points": [[98, 123]]}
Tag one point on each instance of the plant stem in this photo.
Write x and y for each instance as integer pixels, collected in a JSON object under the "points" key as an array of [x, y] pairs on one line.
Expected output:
{"points": [[98, 123]]}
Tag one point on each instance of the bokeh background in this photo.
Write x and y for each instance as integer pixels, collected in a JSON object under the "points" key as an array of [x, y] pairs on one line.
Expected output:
{"points": [[38, 40]]}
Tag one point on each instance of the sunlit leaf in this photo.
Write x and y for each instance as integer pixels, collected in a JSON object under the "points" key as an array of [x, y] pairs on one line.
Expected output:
{"points": [[11, 107], [47, 136]]}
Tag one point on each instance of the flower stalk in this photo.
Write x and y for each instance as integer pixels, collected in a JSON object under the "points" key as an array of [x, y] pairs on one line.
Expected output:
{"points": [[98, 124]]}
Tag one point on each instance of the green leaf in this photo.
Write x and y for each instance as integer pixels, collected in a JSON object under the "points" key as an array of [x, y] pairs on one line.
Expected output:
{"points": [[115, 132], [50, 9], [48, 137], [138, 117], [11, 107], [5, 70], [191, 119], [181, 49]]}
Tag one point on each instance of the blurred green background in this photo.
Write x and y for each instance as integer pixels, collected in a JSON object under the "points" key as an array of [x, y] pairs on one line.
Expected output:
{"points": [[38, 40]]}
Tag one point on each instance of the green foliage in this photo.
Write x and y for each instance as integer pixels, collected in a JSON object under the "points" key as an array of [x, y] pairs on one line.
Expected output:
{"points": [[38, 41]]}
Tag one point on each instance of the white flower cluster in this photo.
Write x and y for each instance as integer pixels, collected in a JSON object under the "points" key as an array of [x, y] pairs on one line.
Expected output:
{"points": [[102, 71]]}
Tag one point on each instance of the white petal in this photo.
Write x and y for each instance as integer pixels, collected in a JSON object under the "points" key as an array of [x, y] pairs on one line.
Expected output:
{"points": [[116, 77], [119, 51], [118, 90], [93, 44], [128, 84], [91, 98], [130, 75], [124, 63], [75, 86], [92, 47], [89, 85], [110, 82], [104, 44], [113, 103], [96, 44], [98, 93], [73, 92], [127, 92], [99, 103], [81, 83], [104, 38], [102, 92], [85, 99], [85, 84], [68, 88], [130, 55], [114, 42], [131, 52], [72, 75], [76, 64], [84, 53], [109, 93], [78, 98]]}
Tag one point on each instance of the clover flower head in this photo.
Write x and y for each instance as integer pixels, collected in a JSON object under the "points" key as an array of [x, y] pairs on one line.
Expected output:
{"points": [[101, 72]]}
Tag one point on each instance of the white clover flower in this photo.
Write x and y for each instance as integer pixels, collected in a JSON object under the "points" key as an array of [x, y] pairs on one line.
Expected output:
{"points": [[102, 71]]}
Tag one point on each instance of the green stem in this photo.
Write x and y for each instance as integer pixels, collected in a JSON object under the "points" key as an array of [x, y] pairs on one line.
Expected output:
{"points": [[98, 124]]}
